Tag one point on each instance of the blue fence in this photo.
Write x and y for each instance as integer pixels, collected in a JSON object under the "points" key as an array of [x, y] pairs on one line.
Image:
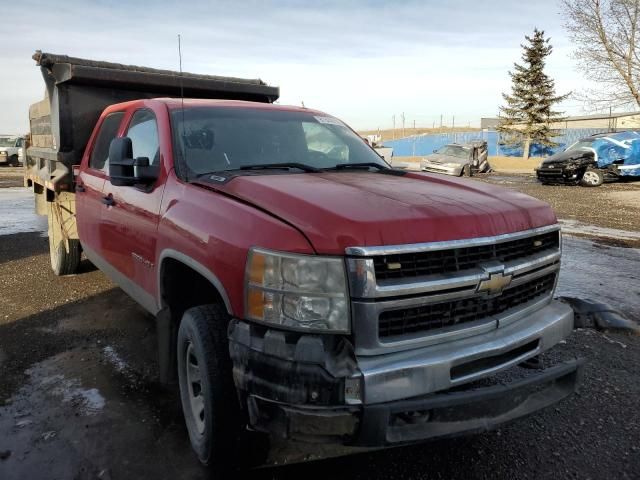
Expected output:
{"points": [[421, 145]]}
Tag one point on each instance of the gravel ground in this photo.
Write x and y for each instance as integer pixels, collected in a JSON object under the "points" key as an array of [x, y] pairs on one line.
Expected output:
{"points": [[612, 205], [78, 375]]}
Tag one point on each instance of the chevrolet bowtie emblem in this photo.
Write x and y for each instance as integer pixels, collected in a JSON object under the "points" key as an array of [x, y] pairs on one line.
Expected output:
{"points": [[495, 283]]}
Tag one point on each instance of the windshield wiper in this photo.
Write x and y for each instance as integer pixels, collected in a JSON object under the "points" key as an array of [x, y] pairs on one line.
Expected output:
{"points": [[289, 165], [366, 165], [345, 166]]}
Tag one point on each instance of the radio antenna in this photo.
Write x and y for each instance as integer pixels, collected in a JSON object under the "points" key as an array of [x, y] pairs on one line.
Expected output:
{"points": [[184, 135]]}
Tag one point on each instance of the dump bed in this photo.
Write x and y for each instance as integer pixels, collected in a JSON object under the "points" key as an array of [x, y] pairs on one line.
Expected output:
{"points": [[78, 90]]}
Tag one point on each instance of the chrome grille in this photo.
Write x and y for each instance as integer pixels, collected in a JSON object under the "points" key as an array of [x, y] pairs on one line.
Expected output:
{"points": [[463, 258], [406, 296], [447, 314]]}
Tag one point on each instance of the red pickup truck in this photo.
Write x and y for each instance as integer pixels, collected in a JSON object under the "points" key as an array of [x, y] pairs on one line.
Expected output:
{"points": [[305, 291]]}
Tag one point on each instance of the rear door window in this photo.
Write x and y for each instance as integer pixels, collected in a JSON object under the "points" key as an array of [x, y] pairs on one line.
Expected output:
{"points": [[99, 159]]}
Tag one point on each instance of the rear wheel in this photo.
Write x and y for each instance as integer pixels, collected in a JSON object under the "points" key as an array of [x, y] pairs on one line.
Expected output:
{"points": [[209, 401], [64, 261], [64, 252], [592, 178]]}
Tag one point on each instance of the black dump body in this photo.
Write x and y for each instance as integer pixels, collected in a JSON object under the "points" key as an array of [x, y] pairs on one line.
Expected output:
{"points": [[78, 90]]}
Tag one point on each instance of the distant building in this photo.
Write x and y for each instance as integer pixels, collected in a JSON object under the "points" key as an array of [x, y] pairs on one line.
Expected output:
{"points": [[615, 121], [603, 121], [489, 123]]}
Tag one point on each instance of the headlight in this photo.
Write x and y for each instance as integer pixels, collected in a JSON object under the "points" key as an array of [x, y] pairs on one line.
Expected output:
{"points": [[299, 292]]}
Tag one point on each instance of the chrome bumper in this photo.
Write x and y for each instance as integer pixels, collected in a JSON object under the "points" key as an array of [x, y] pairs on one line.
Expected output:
{"points": [[412, 373], [428, 167]]}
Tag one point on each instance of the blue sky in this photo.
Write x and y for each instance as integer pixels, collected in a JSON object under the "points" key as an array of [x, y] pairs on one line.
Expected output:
{"points": [[361, 61]]}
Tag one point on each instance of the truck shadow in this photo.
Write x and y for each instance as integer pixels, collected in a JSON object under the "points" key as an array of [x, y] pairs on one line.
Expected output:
{"points": [[448, 458], [107, 344], [110, 317], [30, 244]]}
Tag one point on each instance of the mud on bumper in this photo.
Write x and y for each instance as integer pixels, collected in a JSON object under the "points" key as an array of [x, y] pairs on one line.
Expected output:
{"points": [[296, 399]]}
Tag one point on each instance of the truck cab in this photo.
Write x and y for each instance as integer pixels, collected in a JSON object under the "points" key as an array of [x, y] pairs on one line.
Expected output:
{"points": [[306, 292], [11, 150]]}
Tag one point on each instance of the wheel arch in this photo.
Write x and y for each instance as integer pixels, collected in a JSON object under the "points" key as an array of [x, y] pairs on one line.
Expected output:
{"points": [[170, 258], [183, 282]]}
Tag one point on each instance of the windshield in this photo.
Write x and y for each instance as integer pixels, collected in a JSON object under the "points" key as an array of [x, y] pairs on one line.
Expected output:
{"points": [[215, 139], [580, 144], [454, 151], [7, 141]]}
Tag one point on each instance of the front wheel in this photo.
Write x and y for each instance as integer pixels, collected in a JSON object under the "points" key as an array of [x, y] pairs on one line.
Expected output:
{"points": [[209, 401], [592, 178]]}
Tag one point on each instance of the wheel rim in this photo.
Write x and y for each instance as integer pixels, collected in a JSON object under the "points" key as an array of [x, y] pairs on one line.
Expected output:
{"points": [[591, 178], [194, 388]]}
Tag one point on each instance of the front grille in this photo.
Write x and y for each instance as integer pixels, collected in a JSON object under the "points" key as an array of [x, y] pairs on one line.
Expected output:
{"points": [[393, 323], [456, 259], [550, 173]]}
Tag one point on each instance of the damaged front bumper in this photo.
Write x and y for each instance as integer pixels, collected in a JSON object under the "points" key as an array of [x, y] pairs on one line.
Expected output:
{"points": [[437, 415], [314, 389], [441, 168], [559, 175]]}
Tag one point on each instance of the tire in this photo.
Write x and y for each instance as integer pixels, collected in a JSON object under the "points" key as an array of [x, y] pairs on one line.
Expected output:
{"points": [[14, 161], [466, 171], [207, 392], [63, 261], [592, 178]]}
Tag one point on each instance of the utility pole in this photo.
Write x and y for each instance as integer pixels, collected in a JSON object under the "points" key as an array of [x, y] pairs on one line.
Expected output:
{"points": [[453, 122], [610, 119], [402, 124], [440, 120], [434, 125], [394, 126]]}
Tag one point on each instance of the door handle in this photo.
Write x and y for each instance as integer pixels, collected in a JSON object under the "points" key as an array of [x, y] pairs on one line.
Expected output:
{"points": [[80, 188], [108, 200]]}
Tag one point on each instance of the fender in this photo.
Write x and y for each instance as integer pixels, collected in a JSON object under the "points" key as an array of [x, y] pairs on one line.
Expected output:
{"points": [[198, 267]]}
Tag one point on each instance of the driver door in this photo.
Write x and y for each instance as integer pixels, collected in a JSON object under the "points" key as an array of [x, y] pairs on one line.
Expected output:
{"points": [[131, 213]]}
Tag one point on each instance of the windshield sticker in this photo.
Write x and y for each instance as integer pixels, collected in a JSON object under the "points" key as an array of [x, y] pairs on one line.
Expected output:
{"points": [[329, 121]]}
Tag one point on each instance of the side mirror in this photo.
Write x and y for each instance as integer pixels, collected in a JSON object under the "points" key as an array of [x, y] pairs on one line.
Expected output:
{"points": [[124, 170]]}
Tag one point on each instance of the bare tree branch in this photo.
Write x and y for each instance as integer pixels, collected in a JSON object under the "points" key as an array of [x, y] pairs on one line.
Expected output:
{"points": [[605, 33]]}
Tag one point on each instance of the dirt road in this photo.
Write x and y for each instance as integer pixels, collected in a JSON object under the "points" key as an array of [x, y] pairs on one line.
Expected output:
{"points": [[613, 205], [79, 396]]}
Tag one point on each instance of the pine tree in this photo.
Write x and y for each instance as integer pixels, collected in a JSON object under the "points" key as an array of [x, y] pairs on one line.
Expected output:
{"points": [[529, 110]]}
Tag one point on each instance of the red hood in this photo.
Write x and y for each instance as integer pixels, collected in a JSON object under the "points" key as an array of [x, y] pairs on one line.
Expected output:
{"points": [[336, 210]]}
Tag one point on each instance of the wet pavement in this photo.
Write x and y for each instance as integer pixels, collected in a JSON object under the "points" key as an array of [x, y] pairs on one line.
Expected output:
{"points": [[595, 270], [17, 212], [80, 398]]}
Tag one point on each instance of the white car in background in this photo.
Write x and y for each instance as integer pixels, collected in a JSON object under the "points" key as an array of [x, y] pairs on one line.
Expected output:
{"points": [[11, 150], [455, 159]]}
